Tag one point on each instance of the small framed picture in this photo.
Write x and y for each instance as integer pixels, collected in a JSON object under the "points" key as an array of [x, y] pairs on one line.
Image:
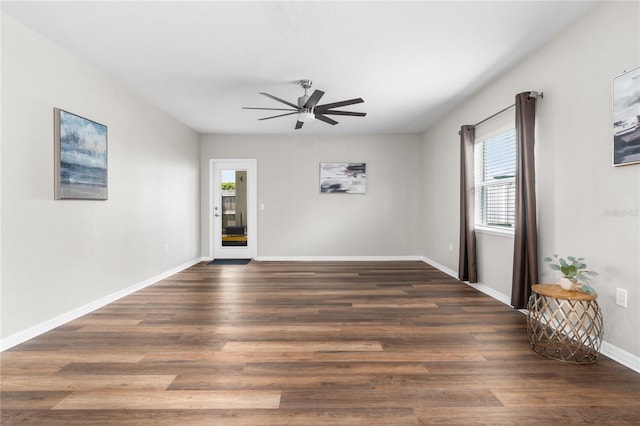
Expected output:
{"points": [[80, 157], [348, 178], [626, 118]]}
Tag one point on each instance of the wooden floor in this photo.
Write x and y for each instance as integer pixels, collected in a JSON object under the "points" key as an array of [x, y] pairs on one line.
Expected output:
{"points": [[275, 343]]}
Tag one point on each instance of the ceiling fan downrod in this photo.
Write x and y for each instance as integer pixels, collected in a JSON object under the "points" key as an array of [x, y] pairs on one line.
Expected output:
{"points": [[305, 115], [305, 84]]}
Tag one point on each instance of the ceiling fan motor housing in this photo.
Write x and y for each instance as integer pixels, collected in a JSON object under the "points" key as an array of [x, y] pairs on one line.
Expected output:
{"points": [[302, 100]]}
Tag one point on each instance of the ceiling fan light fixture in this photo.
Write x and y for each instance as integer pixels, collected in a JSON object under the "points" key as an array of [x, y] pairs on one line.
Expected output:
{"points": [[306, 116]]}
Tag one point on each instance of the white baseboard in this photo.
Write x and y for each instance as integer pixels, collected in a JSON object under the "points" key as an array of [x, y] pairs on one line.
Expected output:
{"points": [[478, 286], [336, 258], [38, 329], [442, 268], [623, 357], [500, 297], [607, 349]]}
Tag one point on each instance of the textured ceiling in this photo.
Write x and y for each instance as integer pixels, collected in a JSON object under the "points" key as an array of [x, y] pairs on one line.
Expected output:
{"points": [[201, 62]]}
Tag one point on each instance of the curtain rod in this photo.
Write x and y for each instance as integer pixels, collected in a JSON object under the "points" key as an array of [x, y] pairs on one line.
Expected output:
{"points": [[533, 94], [494, 115]]}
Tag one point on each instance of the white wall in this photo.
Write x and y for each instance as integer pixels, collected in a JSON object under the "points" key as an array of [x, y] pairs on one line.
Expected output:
{"points": [[586, 207], [298, 221], [58, 256]]}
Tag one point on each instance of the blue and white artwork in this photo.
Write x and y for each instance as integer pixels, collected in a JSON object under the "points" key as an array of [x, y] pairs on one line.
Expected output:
{"points": [[348, 178], [82, 158]]}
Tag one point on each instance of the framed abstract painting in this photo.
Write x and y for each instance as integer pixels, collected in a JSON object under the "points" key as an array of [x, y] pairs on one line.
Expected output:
{"points": [[80, 157], [626, 118], [348, 178]]}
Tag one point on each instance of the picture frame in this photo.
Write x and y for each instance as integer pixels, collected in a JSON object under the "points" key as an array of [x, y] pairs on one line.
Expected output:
{"points": [[345, 178], [81, 171], [625, 90]]}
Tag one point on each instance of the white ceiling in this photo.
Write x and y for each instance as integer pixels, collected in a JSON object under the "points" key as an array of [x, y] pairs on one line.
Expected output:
{"points": [[201, 62]]}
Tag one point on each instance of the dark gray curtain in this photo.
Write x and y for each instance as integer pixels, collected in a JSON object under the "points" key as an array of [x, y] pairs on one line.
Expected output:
{"points": [[525, 254], [467, 269]]}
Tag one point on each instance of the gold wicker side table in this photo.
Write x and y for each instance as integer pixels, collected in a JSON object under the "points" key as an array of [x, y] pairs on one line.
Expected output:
{"points": [[564, 325]]}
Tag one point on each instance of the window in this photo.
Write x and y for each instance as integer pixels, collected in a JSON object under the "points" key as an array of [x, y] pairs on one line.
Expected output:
{"points": [[495, 180]]}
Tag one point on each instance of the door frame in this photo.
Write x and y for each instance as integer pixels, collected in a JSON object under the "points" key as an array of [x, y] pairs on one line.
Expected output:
{"points": [[251, 250]]}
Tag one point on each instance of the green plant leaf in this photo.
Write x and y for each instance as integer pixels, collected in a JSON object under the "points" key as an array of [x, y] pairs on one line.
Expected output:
{"points": [[563, 263], [548, 259], [554, 267], [571, 258]]}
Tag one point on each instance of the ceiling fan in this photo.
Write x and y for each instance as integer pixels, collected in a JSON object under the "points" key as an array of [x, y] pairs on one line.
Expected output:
{"points": [[308, 109]]}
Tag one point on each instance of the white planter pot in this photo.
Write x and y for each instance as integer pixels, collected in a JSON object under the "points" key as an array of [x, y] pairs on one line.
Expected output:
{"points": [[566, 283]]}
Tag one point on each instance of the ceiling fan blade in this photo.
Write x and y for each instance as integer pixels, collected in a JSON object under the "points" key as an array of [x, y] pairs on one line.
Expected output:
{"points": [[338, 104], [276, 116], [355, 114], [272, 109], [279, 100], [313, 99], [326, 119], [299, 124]]}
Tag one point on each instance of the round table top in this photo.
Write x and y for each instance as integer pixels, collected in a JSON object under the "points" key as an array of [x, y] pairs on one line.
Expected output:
{"points": [[555, 291]]}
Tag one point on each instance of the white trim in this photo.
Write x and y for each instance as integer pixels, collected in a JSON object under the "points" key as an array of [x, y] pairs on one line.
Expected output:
{"points": [[623, 357], [38, 329], [506, 232], [478, 286], [501, 297], [616, 354], [336, 258], [442, 268]]}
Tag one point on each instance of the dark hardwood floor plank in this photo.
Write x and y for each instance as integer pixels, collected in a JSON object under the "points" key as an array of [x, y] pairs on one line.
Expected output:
{"points": [[280, 417], [170, 400], [86, 382]]}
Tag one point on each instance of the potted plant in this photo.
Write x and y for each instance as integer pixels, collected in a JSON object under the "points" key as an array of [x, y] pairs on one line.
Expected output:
{"points": [[575, 275]]}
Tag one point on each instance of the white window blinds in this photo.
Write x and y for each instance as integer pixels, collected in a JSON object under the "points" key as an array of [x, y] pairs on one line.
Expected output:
{"points": [[495, 171]]}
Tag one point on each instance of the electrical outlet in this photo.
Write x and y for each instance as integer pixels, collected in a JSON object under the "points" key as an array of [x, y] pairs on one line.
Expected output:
{"points": [[166, 247], [621, 297], [450, 246]]}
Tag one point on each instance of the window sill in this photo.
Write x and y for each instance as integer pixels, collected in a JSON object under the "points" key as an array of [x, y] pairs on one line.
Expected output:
{"points": [[495, 231]]}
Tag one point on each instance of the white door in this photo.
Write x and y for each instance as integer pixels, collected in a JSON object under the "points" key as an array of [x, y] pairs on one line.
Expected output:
{"points": [[233, 210]]}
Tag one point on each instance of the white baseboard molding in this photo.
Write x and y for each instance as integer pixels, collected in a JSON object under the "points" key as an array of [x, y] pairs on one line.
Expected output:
{"points": [[336, 258], [38, 329], [620, 356], [478, 286], [442, 268], [607, 349], [500, 297]]}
